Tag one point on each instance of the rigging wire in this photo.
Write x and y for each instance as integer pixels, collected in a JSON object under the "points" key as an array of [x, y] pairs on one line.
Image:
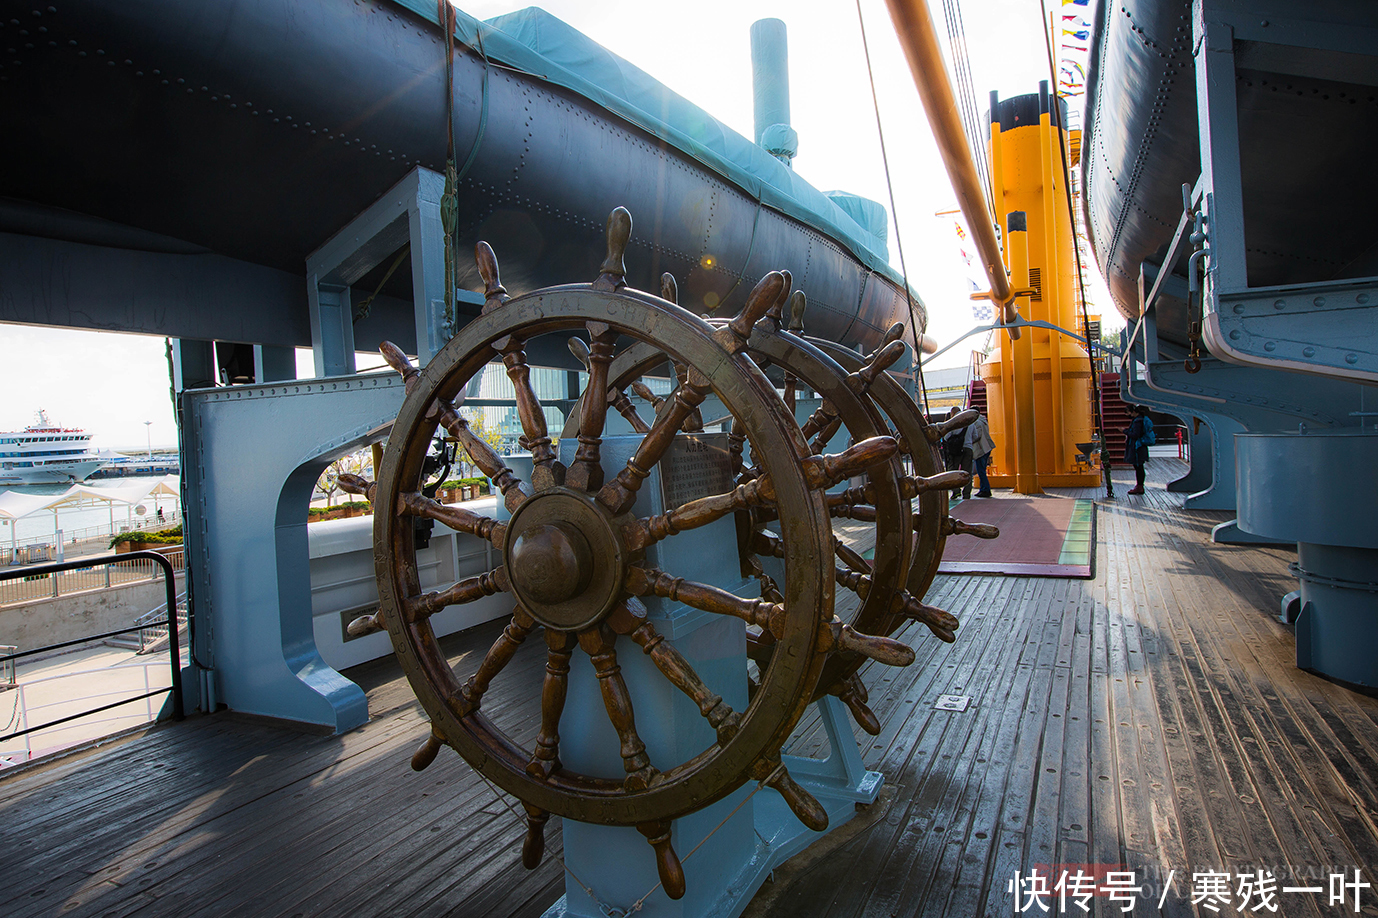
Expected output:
{"points": [[890, 188], [1096, 407], [965, 89]]}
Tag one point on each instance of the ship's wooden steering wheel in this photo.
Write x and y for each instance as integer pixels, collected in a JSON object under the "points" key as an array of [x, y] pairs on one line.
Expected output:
{"points": [[573, 556]]}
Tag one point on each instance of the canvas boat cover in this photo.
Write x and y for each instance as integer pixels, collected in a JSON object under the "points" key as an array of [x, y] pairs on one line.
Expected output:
{"points": [[535, 42]]}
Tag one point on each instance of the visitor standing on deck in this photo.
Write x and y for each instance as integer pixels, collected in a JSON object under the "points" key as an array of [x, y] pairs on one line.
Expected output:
{"points": [[951, 449], [976, 449], [1138, 437]]}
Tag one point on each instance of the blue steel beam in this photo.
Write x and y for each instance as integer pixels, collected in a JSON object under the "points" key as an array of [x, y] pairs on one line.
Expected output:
{"points": [[250, 458]]}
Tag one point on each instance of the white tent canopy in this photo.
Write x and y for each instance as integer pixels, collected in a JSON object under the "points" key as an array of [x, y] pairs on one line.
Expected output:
{"points": [[14, 505]]}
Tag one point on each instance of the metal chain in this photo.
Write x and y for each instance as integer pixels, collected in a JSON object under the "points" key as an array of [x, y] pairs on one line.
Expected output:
{"points": [[1193, 361]]}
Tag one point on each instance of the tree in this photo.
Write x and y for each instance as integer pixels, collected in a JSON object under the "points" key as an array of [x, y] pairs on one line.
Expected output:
{"points": [[480, 428], [359, 462]]}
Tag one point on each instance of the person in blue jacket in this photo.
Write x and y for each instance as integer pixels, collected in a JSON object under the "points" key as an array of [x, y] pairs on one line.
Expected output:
{"points": [[1138, 437]]}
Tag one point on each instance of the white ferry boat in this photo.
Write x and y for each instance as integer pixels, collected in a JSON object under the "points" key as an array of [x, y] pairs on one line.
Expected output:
{"points": [[44, 453]]}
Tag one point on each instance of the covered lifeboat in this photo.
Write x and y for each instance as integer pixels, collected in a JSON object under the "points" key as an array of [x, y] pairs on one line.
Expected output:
{"points": [[255, 130]]}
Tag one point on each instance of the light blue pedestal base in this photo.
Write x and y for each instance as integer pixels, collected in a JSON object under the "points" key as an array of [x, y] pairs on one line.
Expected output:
{"points": [[728, 848], [726, 871]]}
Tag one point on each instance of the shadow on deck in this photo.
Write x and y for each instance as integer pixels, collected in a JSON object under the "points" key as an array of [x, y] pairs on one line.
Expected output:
{"points": [[1151, 719]]}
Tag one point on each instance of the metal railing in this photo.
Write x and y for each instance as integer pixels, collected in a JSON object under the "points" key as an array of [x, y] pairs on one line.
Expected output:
{"points": [[174, 644], [22, 710], [153, 624], [27, 584]]}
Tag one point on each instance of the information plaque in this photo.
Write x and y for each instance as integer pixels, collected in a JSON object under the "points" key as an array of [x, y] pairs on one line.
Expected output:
{"points": [[695, 465]]}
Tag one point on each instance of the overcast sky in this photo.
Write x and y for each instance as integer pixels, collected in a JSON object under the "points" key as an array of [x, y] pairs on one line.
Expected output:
{"points": [[111, 384]]}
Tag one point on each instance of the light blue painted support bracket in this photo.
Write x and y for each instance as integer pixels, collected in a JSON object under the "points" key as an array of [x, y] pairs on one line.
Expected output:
{"points": [[747, 835], [1212, 459], [1221, 492], [1218, 490], [250, 458], [408, 212], [839, 781], [332, 327], [1200, 474]]}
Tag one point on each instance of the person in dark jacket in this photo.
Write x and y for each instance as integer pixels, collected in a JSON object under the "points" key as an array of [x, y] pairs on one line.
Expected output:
{"points": [[976, 450], [1138, 437], [952, 450]]}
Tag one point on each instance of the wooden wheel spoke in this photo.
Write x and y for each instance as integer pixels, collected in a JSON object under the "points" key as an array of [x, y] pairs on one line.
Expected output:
{"points": [[616, 397], [652, 582], [544, 473], [850, 557], [447, 417], [546, 757], [486, 458], [618, 400], [798, 302], [943, 624], [771, 773], [736, 442], [840, 636], [498, 656], [419, 608], [357, 484], [533, 846], [768, 290], [852, 692], [457, 518], [821, 472], [693, 423], [425, 755], [959, 421], [822, 416], [619, 494], [826, 435], [954, 526], [640, 534], [669, 290], [668, 867], [366, 624], [644, 393], [770, 590], [890, 351], [767, 545], [859, 512], [598, 642], [911, 486], [681, 674], [586, 472]]}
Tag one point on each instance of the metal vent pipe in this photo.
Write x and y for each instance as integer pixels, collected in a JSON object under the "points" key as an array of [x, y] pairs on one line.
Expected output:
{"points": [[770, 89]]}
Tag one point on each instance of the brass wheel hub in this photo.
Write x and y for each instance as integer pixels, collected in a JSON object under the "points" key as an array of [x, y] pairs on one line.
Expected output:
{"points": [[564, 559]]}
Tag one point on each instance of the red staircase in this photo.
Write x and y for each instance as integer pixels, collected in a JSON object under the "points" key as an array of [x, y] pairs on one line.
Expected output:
{"points": [[1113, 408], [976, 395], [1116, 414]]}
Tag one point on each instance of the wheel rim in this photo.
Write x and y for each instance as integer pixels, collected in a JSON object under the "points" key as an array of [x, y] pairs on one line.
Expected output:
{"points": [[787, 686]]}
